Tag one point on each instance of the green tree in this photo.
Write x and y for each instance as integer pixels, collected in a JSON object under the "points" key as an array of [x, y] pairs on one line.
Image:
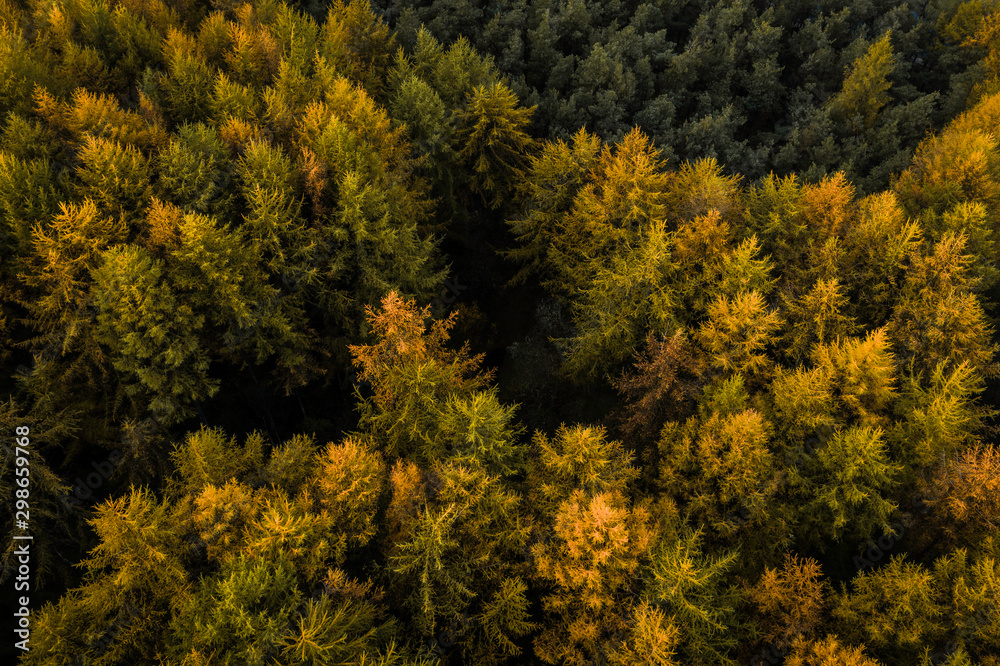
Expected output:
{"points": [[848, 493], [493, 142], [453, 563], [151, 337], [693, 588]]}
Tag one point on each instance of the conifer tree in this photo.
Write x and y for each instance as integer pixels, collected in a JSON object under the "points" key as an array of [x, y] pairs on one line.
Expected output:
{"points": [[940, 415], [827, 652], [817, 317], [657, 387], [737, 333], [591, 564], [717, 465], [453, 562], [193, 171], [850, 487], [412, 374], [652, 639], [894, 608], [494, 144], [790, 599], [962, 492], [550, 186], [937, 319], [692, 587], [206, 458], [875, 252], [866, 88], [152, 339]]}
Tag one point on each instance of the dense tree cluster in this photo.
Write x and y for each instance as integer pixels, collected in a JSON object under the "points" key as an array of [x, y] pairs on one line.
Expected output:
{"points": [[723, 392], [800, 86]]}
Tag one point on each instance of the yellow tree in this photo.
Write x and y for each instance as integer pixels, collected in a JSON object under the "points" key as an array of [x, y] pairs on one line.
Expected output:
{"points": [[937, 319], [412, 374], [876, 250], [719, 470], [623, 197], [737, 333], [828, 651], [866, 87], [551, 183], [591, 545], [591, 564], [817, 317], [790, 599]]}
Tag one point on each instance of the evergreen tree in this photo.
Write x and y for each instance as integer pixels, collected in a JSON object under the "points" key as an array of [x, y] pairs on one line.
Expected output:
{"points": [[866, 88], [152, 339]]}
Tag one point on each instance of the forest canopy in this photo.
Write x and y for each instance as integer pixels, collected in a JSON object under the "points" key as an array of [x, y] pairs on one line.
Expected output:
{"points": [[444, 333]]}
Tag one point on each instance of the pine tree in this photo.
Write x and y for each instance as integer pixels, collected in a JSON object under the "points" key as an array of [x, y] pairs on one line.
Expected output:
{"points": [[700, 187], [963, 493], [737, 333], [28, 194], [217, 272], [215, 620], [194, 171], [657, 387], [374, 239], [206, 458], [717, 465], [941, 414], [347, 487], [893, 610], [355, 40], [652, 640], [864, 372], [937, 319], [876, 251], [134, 574], [866, 87], [624, 199], [494, 145], [790, 599], [412, 375], [52, 499], [576, 457], [692, 587], [553, 179], [187, 88], [851, 487], [591, 562], [828, 651], [115, 177], [629, 296], [958, 165], [152, 339], [453, 561], [817, 317]]}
